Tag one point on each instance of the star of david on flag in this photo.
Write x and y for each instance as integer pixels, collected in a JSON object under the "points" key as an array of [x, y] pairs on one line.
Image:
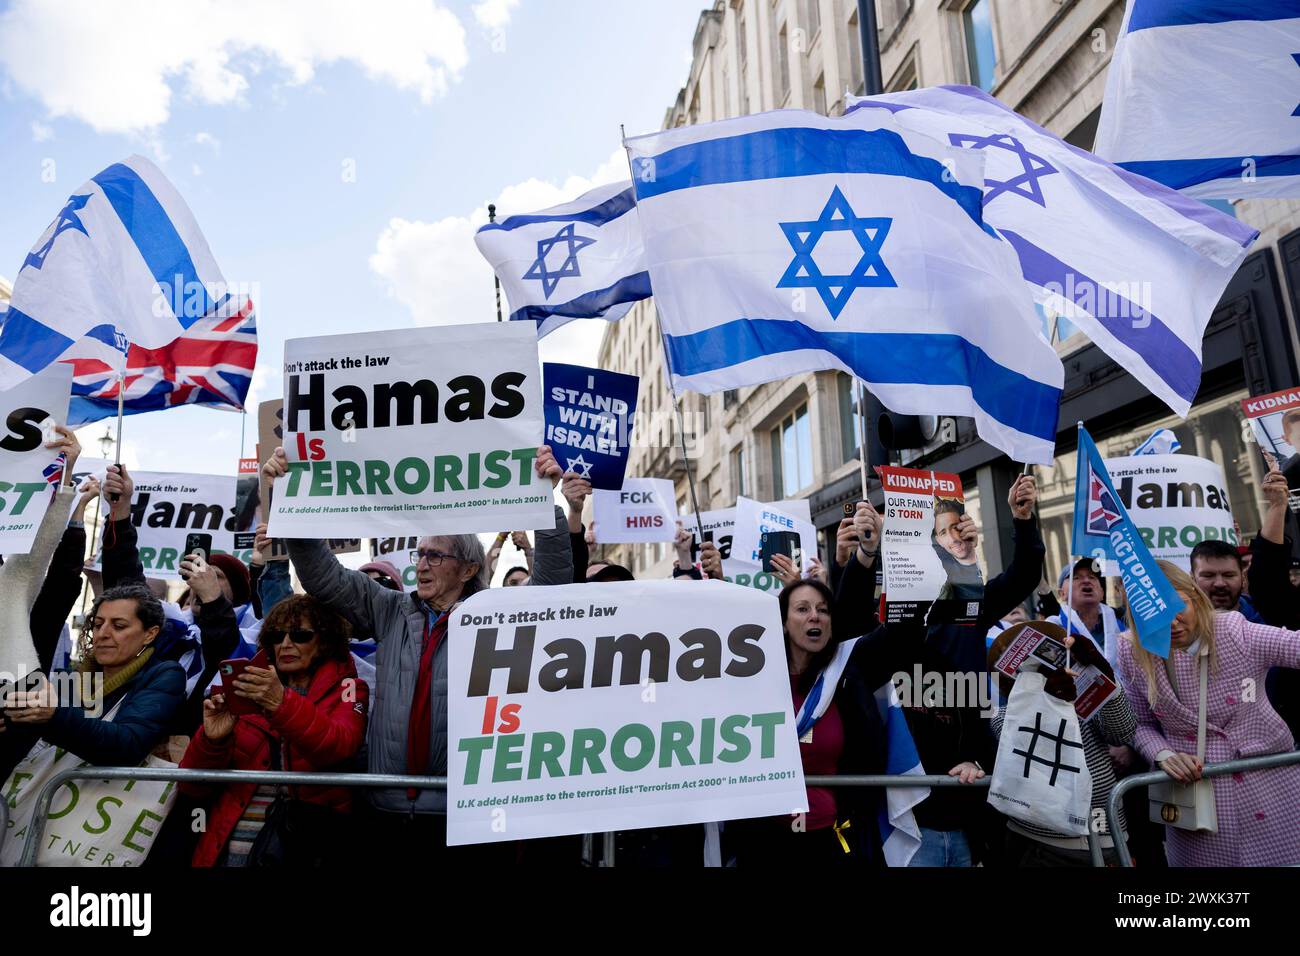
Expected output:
{"points": [[568, 268], [1026, 183], [835, 290]]}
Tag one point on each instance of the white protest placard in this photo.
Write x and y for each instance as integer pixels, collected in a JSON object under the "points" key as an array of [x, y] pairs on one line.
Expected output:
{"points": [[915, 570], [168, 506], [645, 509], [26, 412], [753, 518], [431, 428], [1176, 502], [720, 524], [586, 708]]}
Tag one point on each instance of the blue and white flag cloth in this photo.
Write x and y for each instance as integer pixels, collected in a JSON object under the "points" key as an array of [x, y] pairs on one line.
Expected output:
{"points": [[579, 260], [1204, 96], [1162, 441], [1137, 267], [123, 253], [900, 836], [791, 242], [1102, 527]]}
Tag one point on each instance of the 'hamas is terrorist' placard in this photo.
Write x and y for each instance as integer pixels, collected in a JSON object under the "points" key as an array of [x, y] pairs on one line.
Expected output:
{"points": [[430, 428], [594, 707]]}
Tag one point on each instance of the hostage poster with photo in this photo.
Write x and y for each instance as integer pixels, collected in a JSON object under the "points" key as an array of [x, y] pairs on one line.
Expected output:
{"points": [[719, 526], [586, 708], [168, 506], [1175, 501], [27, 415], [924, 557], [1275, 421], [429, 428]]}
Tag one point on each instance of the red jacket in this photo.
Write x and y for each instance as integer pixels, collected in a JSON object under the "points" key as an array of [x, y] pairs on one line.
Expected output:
{"points": [[320, 730]]}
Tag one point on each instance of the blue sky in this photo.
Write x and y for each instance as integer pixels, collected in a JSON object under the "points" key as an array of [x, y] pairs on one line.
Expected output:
{"points": [[259, 111]]}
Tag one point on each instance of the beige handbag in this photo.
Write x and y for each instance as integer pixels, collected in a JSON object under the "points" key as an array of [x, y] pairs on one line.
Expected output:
{"points": [[1187, 806]]}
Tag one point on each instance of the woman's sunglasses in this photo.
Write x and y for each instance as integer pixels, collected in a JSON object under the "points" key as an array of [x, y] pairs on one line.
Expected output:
{"points": [[298, 636]]}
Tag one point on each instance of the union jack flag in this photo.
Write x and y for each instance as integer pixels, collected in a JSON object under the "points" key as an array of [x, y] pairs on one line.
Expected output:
{"points": [[210, 364], [1103, 514]]}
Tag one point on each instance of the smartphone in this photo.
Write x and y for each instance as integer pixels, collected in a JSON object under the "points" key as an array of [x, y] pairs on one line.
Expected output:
{"points": [[200, 542], [780, 542], [229, 671]]}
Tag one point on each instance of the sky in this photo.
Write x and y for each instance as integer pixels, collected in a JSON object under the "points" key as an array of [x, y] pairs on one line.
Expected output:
{"points": [[338, 155]]}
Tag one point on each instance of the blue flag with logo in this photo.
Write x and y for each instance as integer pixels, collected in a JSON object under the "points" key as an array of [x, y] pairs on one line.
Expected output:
{"points": [[1103, 529], [589, 421]]}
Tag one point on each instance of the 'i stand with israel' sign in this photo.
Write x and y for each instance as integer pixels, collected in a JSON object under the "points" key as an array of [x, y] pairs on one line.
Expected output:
{"points": [[589, 421]]}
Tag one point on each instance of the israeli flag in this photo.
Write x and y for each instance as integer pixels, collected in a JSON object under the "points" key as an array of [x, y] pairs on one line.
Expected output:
{"points": [[581, 260], [1204, 96], [900, 836], [791, 242], [125, 255], [1137, 267], [1162, 441]]}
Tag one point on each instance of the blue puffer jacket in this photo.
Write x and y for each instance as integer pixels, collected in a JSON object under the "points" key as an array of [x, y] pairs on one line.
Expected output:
{"points": [[152, 698]]}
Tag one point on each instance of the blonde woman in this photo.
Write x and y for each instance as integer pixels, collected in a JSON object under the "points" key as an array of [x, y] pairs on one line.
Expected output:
{"points": [[1258, 812]]}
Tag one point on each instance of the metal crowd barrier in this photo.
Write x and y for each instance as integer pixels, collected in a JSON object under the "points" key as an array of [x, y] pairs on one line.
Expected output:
{"points": [[36, 830], [1159, 776]]}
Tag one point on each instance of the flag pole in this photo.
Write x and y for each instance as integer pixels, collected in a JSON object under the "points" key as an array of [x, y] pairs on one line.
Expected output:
{"points": [[121, 396], [863, 469], [668, 369], [496, 280]]}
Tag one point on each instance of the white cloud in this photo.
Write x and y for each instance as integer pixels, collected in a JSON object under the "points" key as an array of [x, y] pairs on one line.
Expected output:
{"points": [[436, 271], [41, 133], [207, 139], [196, 169], [115, 66], [494, 14]]}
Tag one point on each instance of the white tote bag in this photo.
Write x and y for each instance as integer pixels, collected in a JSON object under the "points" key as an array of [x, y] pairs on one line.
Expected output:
{"points": [[91, 822], [1041, 776]]}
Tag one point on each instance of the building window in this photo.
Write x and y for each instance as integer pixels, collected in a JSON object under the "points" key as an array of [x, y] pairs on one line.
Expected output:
{"points": [[850, 417], [792, 453], [819, 95], [813, 17], [730, 397], [782, 64], [704, 415], [855, 56], [980, 55], [738, 472]]}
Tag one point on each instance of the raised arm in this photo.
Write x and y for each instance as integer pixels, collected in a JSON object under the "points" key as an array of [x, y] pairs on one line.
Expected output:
{"points": [[552, 554]]}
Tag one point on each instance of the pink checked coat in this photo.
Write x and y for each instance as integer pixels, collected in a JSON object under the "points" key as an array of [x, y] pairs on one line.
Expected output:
{"points": [[1259, 811]]}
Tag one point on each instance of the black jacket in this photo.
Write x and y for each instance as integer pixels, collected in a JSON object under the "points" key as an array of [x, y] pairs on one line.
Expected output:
{"points": [[947, 735], [1277, 601], [58, 595]]}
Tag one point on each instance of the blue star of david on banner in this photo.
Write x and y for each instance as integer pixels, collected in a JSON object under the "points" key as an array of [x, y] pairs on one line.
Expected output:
{"points": [[538, 270], [68, 219], [837, 216], [1026, 184]]}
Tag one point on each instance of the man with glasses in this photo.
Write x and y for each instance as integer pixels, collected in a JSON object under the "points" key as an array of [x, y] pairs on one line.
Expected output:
{"points": [[408, 716]]}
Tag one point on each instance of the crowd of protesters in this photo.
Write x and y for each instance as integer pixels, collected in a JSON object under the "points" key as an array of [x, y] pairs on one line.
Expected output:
{"points": [[351, 676]]}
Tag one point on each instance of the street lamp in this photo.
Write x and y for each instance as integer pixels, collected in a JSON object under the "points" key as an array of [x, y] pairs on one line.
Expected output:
{"points": [[105, 442]]}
